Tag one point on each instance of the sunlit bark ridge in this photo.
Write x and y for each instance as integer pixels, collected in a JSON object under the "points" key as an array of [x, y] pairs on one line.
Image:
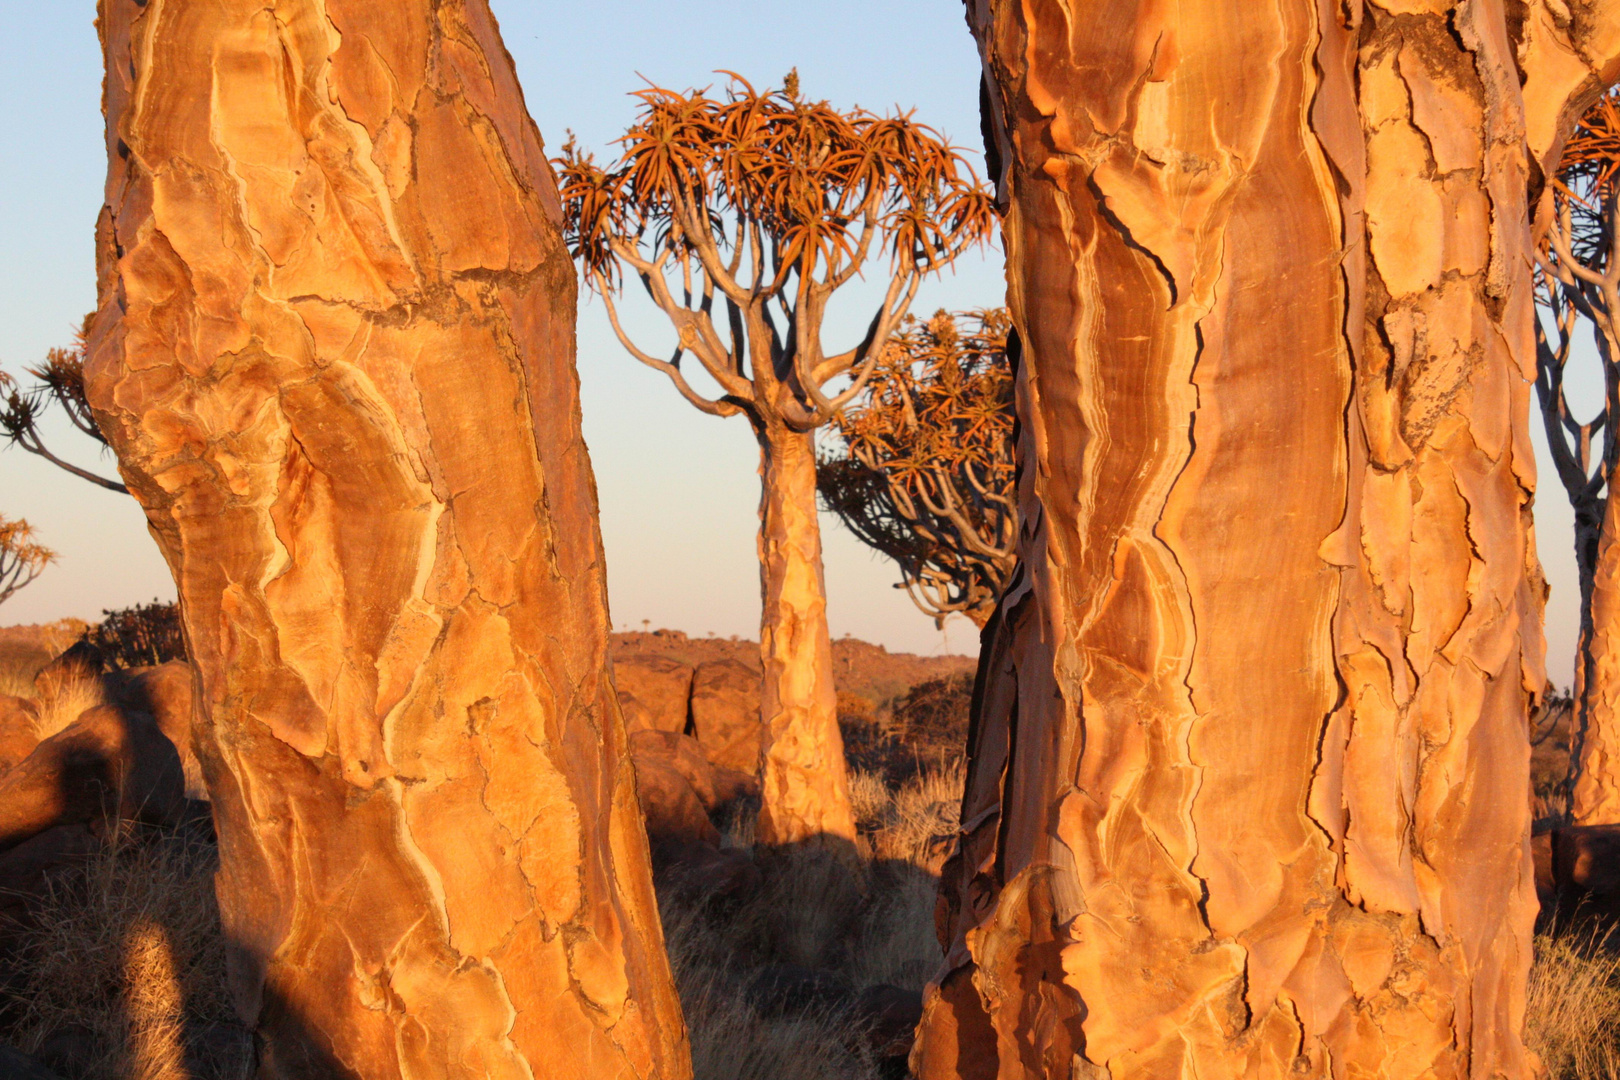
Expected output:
{"points": [[334, 354], [1249, 757]]}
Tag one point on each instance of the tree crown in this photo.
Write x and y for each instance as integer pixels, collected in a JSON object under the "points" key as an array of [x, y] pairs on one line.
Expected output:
{"points": [[59, 381], [768, 197], [21, 558], [923, 468]]}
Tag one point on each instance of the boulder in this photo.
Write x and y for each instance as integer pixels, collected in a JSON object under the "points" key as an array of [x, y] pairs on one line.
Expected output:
{"points": [[108, 763], [26, 870], [672, 810], [715, 786], [653, 691], [725, 714], [18, 737], [1586, 871], [164, 693]]}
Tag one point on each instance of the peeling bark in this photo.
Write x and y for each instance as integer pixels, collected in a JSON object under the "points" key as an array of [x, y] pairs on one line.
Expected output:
{"points": [[334, 353], [1247, 793], [804, 780]]}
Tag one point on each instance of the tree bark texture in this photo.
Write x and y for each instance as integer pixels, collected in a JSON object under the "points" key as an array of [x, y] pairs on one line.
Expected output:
{"points": [[804, 780], [334, 353], [1248, 793], [1595, 746]]}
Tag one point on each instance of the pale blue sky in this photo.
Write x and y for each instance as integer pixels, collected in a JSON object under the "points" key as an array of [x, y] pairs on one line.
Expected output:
{"points": [[679, 490]]}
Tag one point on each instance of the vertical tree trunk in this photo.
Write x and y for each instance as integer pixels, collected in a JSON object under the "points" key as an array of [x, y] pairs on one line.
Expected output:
{"points": [[1248, 793], [804, 780], [334, 354], [1595, 738]]}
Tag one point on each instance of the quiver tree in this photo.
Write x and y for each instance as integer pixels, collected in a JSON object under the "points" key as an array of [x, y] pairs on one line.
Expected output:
{"points": [[725, 209], [22, 558], [1248, 783], [922, 469], [58, 381], [1580, 290], [334, 355]]}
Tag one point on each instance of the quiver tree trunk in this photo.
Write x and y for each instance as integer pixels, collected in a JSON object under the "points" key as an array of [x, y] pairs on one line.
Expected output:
{"points": [[1248, 793], [334, 354], [1595, 746], [804, 779]]}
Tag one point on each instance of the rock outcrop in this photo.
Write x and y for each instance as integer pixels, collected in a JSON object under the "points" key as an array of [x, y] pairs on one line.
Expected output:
{"points": [[164, 693], [653, 691], [725, 714], [110, 764], [18, 734]]}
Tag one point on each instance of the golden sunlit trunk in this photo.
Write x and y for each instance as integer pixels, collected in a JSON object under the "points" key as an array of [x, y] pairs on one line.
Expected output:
{"points": [[804, 780], [1595, 795], [1248, 793], [334, 353]]}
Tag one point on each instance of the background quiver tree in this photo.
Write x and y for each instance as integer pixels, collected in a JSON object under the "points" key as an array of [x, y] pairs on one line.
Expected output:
{"points": [[742, 216], [58, 381], [22, 559], [923, 468], [1579, 288]]}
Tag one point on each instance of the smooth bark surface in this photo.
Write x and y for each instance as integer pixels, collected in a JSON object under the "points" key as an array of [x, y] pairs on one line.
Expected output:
{"points": [[1247, 794], [804, 780], [334, 354]]}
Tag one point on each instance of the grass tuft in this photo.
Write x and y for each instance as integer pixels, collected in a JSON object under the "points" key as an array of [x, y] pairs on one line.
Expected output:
{"points": [[120, 973], [1572, 1014], [61, 703]]}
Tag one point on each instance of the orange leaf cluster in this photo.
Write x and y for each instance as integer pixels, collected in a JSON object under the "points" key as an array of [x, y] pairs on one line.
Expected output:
{"points": [[923, 468], [21, 559], [812, 177]]}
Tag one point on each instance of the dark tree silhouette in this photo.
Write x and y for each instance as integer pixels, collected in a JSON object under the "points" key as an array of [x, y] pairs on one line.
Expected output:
{"points": [[59, 381]]}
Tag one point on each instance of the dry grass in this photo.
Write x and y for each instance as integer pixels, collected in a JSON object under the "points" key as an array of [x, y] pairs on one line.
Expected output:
{"points": [[860, 917], [731, 1040], [121, 974], [59, 702], [62, 702], [127, 963], [1572, 1016], [17, 676]]}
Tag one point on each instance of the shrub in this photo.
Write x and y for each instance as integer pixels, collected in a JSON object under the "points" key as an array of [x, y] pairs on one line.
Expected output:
{"points": [[934, 715], [143, 634]]}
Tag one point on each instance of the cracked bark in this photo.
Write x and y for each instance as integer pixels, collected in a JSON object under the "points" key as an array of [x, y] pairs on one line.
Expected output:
{"points": [[804, 782], [1249, 773], [334, 354]]}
